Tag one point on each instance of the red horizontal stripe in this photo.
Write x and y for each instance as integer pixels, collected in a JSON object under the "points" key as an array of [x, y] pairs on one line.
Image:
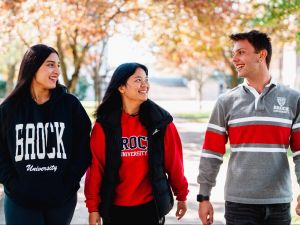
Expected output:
{"points": [[259, 134], [214, 142], [295, 141]]}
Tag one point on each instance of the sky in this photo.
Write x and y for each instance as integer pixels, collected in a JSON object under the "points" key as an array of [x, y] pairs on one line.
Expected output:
{"points": [[123, 49]]}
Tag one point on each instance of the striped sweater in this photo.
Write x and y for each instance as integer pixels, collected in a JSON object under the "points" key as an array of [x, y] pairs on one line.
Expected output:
{"points": [[260, 129]]}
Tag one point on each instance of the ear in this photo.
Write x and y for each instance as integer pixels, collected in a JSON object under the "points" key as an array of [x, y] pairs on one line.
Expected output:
{"points": [[121, 89], [263, 54]]}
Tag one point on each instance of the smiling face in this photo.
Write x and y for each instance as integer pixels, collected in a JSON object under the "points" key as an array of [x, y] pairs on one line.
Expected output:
{"points": [[136, 88], [245, 59], [47, 75]]}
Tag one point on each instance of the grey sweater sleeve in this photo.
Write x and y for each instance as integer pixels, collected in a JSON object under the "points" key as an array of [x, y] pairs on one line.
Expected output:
{"points": [[295, 141], [213, 150]]}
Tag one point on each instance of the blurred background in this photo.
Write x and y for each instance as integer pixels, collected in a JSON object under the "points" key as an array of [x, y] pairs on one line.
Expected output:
{"points": [[180, 39], [184, 43]]}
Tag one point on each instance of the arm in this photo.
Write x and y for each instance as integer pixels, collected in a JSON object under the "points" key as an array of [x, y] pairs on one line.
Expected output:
{"points": [[174, 168], [206, 212], [211, 159], [295, 147], [95, 172], [94, 218], [7, 171], [81, 153]]}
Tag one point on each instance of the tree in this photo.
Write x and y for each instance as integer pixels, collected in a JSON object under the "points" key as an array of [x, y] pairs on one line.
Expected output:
{"points": [[278, 14], [281, 19], [97, 66], [11, 53], [193, 35], [74, 27]]}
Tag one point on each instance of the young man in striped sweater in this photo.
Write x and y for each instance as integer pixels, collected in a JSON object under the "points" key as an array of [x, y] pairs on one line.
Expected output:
{"points": [[260, 119]]}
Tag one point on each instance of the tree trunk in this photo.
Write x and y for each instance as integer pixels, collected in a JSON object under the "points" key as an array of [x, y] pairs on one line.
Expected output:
{"points": [[200, 81], [73, 82], [78, 58], [97, 85], [10, 79], [63, 65], [234, 75], [234, 78], [297, 86], [200, 86], [96, 71], [280, 63]]}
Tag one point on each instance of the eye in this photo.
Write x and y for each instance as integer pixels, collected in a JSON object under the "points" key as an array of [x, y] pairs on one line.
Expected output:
{"points": [[238, 53], [241, 52]]}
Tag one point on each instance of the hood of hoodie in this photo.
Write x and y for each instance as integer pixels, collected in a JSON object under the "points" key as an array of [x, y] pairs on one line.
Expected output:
{"points": [[151, 115]]}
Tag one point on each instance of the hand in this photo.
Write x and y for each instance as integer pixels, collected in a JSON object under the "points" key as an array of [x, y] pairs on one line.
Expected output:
{"points": [[298, 206], [206, 213], [94, 218], [181, 209]]}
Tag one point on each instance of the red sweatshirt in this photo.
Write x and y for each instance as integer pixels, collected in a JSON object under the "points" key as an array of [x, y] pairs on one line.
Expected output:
{"points": [[134, 187]]}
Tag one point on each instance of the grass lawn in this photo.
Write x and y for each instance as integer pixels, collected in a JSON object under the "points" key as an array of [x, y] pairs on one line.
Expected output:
{"points": [[201, 117]]}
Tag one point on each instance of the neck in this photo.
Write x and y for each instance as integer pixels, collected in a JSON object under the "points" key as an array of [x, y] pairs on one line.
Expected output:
{"points": [[131, 109], [40, 96], [259, 81]]}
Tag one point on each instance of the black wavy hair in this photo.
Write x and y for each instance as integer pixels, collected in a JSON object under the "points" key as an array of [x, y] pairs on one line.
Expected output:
{"points": [[112, 98]]}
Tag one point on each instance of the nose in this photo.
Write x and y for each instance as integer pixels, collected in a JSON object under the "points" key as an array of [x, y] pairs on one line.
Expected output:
{"points": [[57, 70], [234, 59], [145, 83]]}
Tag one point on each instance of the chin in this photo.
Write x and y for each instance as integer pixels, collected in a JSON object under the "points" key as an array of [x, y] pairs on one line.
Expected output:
{"points": [[144, 99], [50, 87], [241, 75]]}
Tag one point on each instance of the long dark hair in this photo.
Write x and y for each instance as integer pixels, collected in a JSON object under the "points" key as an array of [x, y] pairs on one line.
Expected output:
{"points": [[112, 98], [32, 60]]}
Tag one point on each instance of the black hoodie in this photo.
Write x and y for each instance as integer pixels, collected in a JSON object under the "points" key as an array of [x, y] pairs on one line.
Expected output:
{"points": [[44, 150]]}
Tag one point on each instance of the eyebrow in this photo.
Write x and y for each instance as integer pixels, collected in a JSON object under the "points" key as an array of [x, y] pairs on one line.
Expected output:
{"points": [[52, 61], [139, 76], [241, 48]]}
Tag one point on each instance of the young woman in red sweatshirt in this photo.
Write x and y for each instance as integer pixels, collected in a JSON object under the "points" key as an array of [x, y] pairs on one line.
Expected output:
{"points": [[137, 162]]}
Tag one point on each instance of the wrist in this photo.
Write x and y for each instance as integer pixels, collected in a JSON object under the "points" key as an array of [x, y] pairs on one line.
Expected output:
{"points": [[201, 198]]}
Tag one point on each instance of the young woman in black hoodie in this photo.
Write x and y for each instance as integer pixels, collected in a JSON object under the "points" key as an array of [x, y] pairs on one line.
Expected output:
{"points": [[44, 143]]}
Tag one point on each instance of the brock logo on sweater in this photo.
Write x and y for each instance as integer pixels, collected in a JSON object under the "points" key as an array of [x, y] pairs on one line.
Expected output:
{"points": [[280, 108], [134, 146], [32, 140]]}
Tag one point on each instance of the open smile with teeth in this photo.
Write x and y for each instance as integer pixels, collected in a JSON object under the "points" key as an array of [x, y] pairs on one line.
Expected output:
{"points": [[239, 67], [143, 92], [54, 79]]}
